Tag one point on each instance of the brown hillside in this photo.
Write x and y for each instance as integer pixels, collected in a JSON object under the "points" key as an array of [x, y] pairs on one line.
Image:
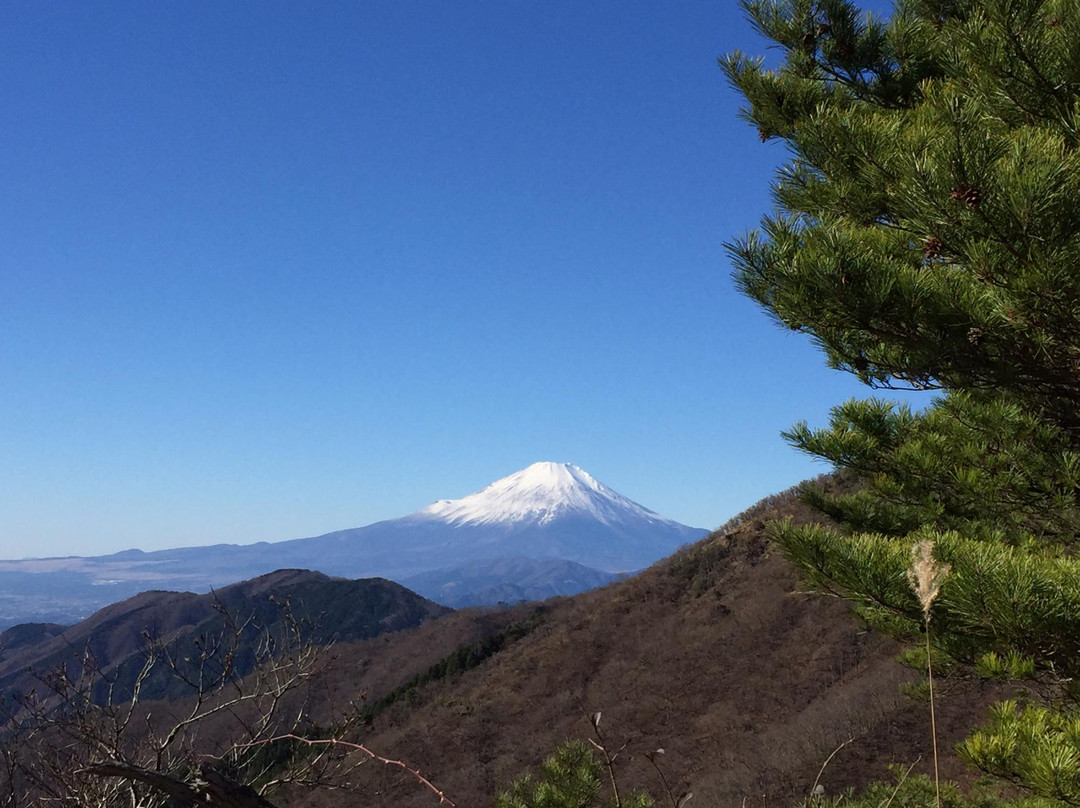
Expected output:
{"points": [[714, 655]]}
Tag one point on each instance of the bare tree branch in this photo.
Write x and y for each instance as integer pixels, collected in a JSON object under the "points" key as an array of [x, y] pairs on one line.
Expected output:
{"points": [[208, 787]]}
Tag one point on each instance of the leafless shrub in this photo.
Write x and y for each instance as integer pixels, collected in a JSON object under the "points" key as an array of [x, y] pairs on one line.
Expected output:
{"points": [[86, 736]]}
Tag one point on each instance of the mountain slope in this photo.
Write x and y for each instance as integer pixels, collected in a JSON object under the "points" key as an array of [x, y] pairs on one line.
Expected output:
{"points": [[546, 511], [714, 655], [506, 580]]}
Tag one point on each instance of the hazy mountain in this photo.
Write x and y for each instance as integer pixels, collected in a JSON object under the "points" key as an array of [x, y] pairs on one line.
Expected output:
{"points": [[506, 580], [546, 511]]}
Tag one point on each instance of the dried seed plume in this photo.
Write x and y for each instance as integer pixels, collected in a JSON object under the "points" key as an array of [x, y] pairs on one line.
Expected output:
{"points": [[926, 575]]}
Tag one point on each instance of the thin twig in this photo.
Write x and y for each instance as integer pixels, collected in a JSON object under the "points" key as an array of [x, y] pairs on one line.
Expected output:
{"points": [[903, 779], [360, 748], [651, 757], [609, 764], [821, 771], [609, 761]]}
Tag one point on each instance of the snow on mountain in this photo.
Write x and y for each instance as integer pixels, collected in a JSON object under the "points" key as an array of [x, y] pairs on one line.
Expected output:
{"points": [[546, 511], [541, 493]]}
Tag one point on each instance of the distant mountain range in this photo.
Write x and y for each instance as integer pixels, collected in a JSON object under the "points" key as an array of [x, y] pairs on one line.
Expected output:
{"points": [[716, 655], [501, 543]]}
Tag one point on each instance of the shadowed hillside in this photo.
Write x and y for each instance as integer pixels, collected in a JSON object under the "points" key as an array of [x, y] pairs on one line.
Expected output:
{"points": [[507, 580], [116, 638]]}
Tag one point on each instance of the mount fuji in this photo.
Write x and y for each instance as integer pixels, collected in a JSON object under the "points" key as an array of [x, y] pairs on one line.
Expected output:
{"points": [[548, 510], [524, 523]]}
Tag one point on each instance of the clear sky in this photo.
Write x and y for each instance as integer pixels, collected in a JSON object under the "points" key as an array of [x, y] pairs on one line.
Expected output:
{"points": [[271, 269]]}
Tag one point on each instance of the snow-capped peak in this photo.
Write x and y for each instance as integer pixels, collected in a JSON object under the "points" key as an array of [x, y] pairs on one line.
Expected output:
{"points": [[540, 493]]}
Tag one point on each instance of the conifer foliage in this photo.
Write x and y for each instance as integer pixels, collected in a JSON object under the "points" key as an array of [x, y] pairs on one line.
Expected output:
{"points": [[572, 777], [927, 236]]}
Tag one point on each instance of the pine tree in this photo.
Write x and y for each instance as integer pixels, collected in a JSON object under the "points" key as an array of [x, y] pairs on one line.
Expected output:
{"points": [[572, 777], [927, 236]]}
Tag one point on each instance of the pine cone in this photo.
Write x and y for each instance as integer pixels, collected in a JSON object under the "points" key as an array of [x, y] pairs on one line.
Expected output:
{"points": [[933, 248], [860, 364], [975, 335], [967, 194]]}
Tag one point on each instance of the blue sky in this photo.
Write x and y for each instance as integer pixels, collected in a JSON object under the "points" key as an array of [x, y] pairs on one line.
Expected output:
{"points": [[272, 269]]}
